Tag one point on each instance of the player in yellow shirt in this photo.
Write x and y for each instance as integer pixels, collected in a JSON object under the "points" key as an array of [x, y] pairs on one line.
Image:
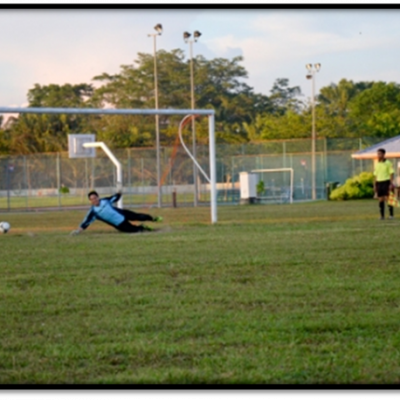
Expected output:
{"points": [[383, 182]]}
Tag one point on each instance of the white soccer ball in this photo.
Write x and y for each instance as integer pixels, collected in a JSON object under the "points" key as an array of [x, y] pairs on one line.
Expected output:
{"points": [[4, 227]]}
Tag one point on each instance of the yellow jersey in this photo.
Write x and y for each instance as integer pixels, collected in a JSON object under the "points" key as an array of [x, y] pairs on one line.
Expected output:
{"points": [[383, 170]]}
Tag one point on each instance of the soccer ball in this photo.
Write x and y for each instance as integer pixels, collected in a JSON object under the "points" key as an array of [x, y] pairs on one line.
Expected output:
{"points": [[4, 227]]}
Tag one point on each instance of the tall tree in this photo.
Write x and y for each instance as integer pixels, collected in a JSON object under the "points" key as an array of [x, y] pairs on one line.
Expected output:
{"points": [[218, 84], [4, 138], [287, 126], [133, 87], [375, 111], [283, 97], [335, 98], [48, 132]]}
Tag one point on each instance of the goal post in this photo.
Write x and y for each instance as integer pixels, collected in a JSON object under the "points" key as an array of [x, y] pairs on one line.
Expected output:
{"points": [[115, 111], [114, 160], [290, 170]]}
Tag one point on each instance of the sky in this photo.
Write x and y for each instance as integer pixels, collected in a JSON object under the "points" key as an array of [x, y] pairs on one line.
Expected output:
{"points": [[72, 46]]}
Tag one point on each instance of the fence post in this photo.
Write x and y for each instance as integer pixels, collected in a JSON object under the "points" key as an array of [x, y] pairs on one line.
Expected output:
{"points": [[92, 178], [129, 176], [232, 172], [58, 179], [174, 198], [141, 172], [326, 159], [284, 162], [8, 182], [284, 154], [26, 184]]}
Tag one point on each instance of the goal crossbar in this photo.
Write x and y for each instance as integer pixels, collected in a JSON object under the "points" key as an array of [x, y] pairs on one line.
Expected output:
{"points": [[105, 111], [126, 111]]}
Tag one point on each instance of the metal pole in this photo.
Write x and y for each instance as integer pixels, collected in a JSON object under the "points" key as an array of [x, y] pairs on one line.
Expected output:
{"points": [[115, 161], [232, 173], [58, 180], [26, 183], [101, 111], [213, 175], [196, 194], [159, 194], [326, 160], [129, 176], [313, 139], [92, 178], [284, 160], [8, 183], [291, 185], [142, 180]]}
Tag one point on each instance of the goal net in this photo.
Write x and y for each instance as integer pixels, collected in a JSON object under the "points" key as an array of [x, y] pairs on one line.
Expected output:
{"points": [[274, 185], [61, 177]]}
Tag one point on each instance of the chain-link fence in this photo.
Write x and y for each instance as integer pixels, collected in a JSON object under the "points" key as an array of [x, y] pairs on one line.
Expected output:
{"points": [[55, 181]]}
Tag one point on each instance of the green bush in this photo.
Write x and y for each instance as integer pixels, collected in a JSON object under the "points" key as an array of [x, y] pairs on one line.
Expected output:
{"points": [[64, 189], [358, 187], [260, 188]]}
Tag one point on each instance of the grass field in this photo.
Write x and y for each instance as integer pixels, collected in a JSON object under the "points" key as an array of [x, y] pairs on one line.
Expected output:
{"points": [[15, 203], [294, 294]]}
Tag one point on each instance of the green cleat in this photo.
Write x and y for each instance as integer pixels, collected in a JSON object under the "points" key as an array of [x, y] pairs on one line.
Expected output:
{"points": [[158, 219], [147, 228]]}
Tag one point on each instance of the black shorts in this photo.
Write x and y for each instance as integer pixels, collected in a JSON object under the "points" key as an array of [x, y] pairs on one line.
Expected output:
{"points": [[382, 188]]}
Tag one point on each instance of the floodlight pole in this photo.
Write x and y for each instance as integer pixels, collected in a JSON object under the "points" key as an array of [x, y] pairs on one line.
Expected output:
{"points": [[312, 71], [213, 168], [106, 150], [158, 28], [313, 140], [186, 36], [196, 191]]}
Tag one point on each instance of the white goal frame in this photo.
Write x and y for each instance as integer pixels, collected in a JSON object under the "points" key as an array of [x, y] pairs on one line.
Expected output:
{"points": [[118, 111], [281, 170]]}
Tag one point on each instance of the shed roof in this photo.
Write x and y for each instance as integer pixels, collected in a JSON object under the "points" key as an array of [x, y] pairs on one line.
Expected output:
{"points": [[392, 147]]}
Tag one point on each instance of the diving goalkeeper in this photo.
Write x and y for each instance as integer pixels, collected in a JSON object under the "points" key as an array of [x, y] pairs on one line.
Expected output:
{"points": [[103, 210]]}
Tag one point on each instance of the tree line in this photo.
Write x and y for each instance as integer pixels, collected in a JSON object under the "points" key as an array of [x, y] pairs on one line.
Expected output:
{"points": [[345, 109]]}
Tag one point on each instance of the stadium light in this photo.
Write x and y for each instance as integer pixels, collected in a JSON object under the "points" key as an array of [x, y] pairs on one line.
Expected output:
{"points": [[159, 30], [311, 75], [196, 35], [186, 36]]}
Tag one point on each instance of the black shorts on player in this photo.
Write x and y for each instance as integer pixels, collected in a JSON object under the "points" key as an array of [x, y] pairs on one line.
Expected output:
{"points": [[382, 188]]}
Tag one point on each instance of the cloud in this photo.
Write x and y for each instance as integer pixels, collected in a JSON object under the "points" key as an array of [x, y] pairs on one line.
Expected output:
{"points": [[280, 44], [58, 46], [225, 46]]}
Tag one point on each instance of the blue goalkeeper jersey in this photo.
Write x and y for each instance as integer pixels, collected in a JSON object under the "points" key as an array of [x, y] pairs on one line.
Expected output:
{"points": [[104, 212]]}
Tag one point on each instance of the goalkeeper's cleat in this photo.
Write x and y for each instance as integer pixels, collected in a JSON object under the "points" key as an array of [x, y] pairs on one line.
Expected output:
{"points": [[158, 219], [146, 228]]}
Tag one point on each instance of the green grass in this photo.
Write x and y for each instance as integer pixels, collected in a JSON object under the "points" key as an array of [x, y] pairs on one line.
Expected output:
{"points": [[305, 293], [19, 202]]}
